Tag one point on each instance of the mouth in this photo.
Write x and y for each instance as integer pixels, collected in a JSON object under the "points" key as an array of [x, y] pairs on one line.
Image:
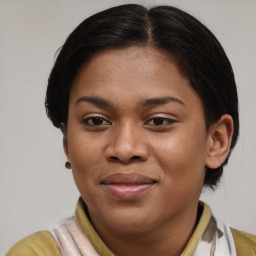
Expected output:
{"points": [[127, 186]]}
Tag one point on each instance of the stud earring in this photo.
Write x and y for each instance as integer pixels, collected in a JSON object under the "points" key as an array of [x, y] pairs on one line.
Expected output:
{"points": [[68, 165]]}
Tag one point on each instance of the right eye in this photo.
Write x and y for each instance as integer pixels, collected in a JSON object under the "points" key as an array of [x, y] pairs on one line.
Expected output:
{"points": [[95, 121]]}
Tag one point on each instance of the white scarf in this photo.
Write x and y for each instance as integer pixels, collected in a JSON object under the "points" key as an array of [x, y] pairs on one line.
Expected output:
{"points": [[217, 240], [71, 239]]}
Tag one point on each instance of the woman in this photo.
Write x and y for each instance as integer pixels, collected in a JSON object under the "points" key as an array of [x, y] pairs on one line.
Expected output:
{"points": [[147, 104]]}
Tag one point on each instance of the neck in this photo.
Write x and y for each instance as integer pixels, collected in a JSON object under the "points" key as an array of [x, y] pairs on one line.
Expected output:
{"points": [[169, 238]]}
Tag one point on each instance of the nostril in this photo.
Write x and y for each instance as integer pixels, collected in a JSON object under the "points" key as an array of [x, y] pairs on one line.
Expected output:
{"points": [[114, 158], [135, 158]]}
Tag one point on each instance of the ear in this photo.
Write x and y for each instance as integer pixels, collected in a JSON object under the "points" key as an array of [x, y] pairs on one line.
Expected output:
{"points": [[220, 140], [63, 129]]}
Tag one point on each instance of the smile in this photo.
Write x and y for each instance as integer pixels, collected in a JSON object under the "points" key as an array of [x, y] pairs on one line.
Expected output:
{"points": [[127, 186]]}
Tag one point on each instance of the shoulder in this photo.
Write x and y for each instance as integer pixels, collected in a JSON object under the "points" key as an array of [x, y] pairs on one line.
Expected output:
{"points": [[37, 244], [245, 243]]}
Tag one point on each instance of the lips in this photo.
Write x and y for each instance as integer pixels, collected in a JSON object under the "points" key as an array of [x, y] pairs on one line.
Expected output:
{"points": [[127, 186]]}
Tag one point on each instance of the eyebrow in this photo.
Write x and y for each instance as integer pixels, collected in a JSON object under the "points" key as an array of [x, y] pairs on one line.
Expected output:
{"points": [[160, 101], [147, 103], [96, 101]]}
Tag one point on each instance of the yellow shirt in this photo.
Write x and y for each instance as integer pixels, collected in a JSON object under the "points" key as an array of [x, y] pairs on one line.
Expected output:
{"points": [[42, 243]]}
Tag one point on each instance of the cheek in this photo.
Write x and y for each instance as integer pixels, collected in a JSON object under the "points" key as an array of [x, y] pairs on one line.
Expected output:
{"points": [[85, 158], [181, 155], [85, 169]]}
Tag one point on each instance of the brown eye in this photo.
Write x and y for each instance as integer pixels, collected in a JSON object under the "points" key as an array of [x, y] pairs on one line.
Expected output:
{"points": [[157, 121], [96, 121]]}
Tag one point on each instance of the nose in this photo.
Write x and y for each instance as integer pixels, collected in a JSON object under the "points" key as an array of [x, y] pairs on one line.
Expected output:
{"points": [[126, 145]]}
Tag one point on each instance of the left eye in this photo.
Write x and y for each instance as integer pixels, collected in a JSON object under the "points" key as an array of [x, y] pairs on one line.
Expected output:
{"points": [[160, 121], [95, 121]]}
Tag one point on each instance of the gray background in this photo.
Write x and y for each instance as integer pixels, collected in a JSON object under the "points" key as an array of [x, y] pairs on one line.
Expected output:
{"points": [[36, 190]]}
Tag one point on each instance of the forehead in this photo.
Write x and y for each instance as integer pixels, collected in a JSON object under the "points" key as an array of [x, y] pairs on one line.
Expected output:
{"points": [[134, 73], [127, 61]]}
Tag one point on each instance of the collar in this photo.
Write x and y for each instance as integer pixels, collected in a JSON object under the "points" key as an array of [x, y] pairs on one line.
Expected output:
{"points": [[102, 249]]}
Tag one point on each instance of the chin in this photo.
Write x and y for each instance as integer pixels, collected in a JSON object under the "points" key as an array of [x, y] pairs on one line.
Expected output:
{"points": [[131, 220]]}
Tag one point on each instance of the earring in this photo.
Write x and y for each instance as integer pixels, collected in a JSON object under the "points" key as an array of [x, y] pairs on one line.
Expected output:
{"points": [[68, 165]]}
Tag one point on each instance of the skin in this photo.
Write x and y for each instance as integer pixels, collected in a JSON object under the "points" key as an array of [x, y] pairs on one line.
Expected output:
{"points": [[166, 141]]}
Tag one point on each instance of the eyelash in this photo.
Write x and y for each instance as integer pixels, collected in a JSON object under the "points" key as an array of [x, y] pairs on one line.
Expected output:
{"points": [[95, 118], [156, 121], [164, 119]]}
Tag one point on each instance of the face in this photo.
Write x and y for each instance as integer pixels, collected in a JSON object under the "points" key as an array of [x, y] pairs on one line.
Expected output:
{"points": [[136, 139]]}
